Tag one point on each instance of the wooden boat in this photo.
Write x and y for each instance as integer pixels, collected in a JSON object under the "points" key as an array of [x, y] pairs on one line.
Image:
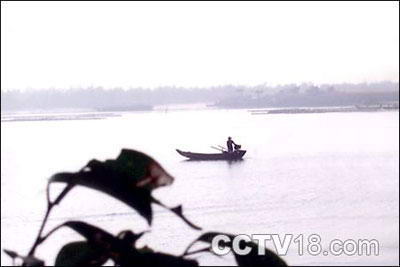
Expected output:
{"points": [[236, 155]]}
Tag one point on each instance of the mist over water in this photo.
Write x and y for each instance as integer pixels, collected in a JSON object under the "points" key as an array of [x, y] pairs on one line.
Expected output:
{"points": [[333, 174]]}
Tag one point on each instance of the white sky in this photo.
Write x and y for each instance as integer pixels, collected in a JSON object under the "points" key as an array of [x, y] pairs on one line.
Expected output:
{"points": [[131, 44]]}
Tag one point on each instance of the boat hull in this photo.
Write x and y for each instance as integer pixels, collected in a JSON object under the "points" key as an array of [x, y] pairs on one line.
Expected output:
{"points": [[237, 155]]}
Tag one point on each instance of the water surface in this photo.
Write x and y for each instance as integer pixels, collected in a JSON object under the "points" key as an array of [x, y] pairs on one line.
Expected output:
{"points": [[333, 174]]}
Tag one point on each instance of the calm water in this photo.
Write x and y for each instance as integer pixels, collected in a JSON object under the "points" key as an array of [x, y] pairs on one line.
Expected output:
{"points": [[333, 174]]}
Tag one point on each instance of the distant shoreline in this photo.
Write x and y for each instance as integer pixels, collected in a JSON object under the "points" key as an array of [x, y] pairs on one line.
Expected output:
{"points": [[298, 110], [94, 115], [56, 116]]}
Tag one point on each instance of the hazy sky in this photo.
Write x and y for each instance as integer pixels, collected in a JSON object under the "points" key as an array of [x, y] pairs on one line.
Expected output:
{"points": [[124, 44]]}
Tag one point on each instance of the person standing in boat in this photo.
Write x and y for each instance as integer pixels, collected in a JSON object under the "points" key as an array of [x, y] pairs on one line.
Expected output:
{"points": [[230, 144]]}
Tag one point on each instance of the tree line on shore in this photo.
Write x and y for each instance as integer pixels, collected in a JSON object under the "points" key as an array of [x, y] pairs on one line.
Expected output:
{"points": [[227, 96]]}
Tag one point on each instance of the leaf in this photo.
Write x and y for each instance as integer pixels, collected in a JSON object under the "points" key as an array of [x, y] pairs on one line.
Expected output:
{"points": [[145, 169], [178, 211], [156, 260], [252, 259], [130, 237], [102, 240], [94, 235], [32, 261], [130, 178], [206, 237], [11, 253], [105, 243], [122, 252], [27, 260], [80, 253]]}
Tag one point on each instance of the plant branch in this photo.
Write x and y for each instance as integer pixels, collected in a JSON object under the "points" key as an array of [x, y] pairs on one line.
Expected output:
{"points": [[189, 247], [37, 241], [207, 249], [42, 239], [50, 205]]}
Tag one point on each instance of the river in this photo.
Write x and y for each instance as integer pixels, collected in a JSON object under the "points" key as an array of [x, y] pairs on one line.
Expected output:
{"points": [[331, 174]]}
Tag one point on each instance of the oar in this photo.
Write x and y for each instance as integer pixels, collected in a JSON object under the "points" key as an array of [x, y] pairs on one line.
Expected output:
{"points": [[223, 148], [217, 148]]}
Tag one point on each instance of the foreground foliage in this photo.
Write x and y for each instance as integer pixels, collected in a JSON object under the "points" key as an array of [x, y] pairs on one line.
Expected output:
{"points": [[130, 178]]}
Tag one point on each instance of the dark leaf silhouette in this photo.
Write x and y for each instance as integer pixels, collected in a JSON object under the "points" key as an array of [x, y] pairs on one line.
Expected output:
{"points": [[130, 237], [252, 259], [80, 253], [32, 261], [130, 178], [11, 253], [156, 260], [121, 249], [94, 235], [27, 260], [106, 244], [178, 211]]}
